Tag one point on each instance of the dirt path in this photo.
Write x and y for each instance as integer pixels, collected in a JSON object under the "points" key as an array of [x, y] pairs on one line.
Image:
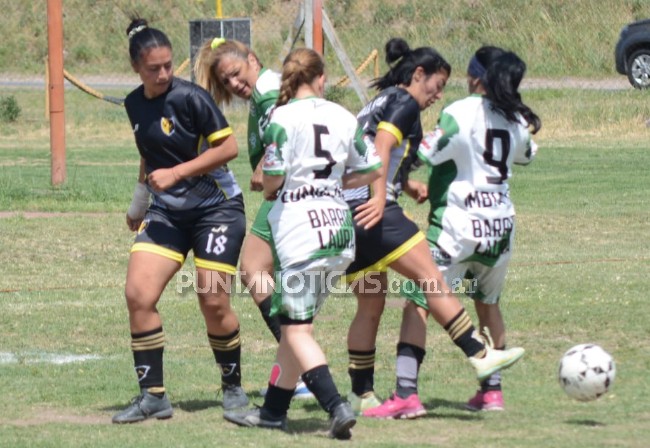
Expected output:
{"points": [[35, 215]]}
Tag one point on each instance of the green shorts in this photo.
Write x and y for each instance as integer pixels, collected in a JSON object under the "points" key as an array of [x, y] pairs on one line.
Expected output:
{"points": [[261, 226]]}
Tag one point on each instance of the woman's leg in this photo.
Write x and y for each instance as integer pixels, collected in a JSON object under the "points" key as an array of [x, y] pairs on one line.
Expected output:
{"points": [[405, 403], [257, 275], [146, 278], [447, 310], [490, 396], [223, 332], [370, 292]]}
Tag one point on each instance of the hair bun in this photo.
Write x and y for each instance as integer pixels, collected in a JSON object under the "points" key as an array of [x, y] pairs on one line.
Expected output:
{"points": [[395, 49], [135, 27]]}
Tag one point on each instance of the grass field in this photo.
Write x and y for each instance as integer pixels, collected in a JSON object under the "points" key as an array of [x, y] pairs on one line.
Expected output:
{"points": [[579, 274]]}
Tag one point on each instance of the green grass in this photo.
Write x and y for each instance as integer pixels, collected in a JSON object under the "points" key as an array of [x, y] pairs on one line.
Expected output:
{"points": [[579, 274]]}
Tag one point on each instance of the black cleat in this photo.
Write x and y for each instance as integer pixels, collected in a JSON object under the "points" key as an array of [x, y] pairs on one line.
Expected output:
{"points": [[253, 418], [234, 397], [341, 421], [145, 406]]}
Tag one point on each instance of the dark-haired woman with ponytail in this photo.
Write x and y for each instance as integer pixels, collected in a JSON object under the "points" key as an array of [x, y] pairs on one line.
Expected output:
{"points": [[471, 222], [387, 238], [184, 143], [313, 150]]}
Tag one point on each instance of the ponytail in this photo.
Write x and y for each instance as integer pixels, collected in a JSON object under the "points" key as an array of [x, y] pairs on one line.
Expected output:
{"points": [[403, 62], [502, 78], [300, 67]]}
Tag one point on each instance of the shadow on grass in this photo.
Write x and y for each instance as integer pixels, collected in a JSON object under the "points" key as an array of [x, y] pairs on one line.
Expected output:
{"points": [[578, 422], [185, 406], [196, 405], [309, 425], [435, 405]]}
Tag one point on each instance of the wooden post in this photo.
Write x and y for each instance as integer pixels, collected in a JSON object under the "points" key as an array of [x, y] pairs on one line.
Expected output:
{"points": [[218, 9], [57, 115], [343, 57], [47, 90], [309, 23], [317, 28]]}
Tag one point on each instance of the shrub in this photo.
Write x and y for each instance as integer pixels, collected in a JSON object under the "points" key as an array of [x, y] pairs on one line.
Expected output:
{"points": [[9, 108]]}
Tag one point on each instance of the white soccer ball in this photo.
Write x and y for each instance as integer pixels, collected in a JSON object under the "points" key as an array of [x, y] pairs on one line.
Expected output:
{"points": [[586, 372]]}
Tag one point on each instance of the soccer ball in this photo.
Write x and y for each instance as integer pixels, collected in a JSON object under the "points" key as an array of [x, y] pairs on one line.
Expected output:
{"points": [[586, 372]]}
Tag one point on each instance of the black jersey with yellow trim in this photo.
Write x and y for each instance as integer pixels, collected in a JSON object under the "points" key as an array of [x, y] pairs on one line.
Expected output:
{"points": [[176, 127], [393, 110]]}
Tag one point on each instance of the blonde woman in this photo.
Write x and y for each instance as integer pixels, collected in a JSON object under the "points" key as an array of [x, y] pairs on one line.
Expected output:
{"points": [[313, 150], [228, 69]]}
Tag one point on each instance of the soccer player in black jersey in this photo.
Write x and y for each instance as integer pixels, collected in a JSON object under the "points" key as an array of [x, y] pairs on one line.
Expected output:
{"points": [[184, 144], [227, 68], [387, 238]]}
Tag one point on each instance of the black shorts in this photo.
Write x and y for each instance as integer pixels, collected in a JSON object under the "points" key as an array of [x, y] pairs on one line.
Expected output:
{"points": [[384, 243], [215, 234]]}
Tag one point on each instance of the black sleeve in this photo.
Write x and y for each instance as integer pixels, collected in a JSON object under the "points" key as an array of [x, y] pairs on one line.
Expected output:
{"points": [[403, 113], [206, 115]]}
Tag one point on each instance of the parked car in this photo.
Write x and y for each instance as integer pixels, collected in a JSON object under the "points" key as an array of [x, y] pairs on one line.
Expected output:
{"points": [[632, 53]]}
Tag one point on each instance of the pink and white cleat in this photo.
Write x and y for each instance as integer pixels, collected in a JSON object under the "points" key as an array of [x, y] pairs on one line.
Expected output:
{"points": [[491, 400], [396, 407]]}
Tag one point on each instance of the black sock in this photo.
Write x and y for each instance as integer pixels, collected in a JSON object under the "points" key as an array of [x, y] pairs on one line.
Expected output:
{"points": [[148, 348], [461, 330], [361, 369], [320, 383], [227, 353], [409, 359], [272, 322], [276, 402]]}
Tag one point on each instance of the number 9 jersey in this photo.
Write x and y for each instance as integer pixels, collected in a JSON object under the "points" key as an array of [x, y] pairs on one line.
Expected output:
{"points": [[471, 153], [313, 143]]}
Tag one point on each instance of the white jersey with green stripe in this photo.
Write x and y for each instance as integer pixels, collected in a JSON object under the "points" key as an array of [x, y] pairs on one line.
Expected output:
{"points": [[471, 153], [262, 103], [313, 143]]}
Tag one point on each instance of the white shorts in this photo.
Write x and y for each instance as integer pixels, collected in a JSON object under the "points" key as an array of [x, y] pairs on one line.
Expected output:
{"points": [[482, 283], [478, 281], [305, 286]]}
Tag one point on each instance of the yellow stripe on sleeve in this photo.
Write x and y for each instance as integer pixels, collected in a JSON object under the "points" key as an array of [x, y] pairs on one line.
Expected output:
{"points": [[221, 133], [391, 128]]}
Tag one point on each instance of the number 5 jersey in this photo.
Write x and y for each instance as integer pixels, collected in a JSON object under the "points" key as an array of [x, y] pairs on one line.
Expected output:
{"points": [[313, 143]]}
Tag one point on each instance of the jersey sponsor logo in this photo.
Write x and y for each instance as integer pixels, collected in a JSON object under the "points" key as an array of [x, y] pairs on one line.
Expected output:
{"points": [[143, 226], [310, 191], [269, 155], [142, 372], [492, 228], [167, 125], [487, 199], [371, 106], [441, 257], [493, 235], [227, 369], [221, 229]]}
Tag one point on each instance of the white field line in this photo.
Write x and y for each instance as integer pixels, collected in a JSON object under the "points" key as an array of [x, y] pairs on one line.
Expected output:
{"points": [[45, 358]]}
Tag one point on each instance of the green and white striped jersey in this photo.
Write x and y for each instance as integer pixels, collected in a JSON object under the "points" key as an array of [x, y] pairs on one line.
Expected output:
{"points": [[313, 143], [471, 153], [262, 102]]}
